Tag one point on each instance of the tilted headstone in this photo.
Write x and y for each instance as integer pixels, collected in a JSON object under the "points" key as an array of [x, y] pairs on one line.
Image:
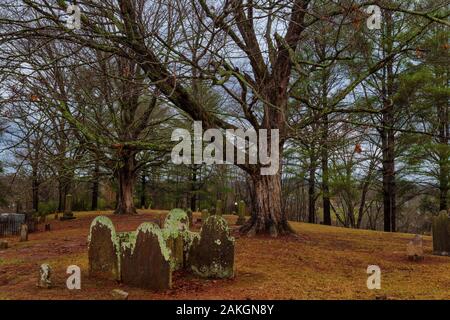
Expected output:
{"points": [[241, 213], [45, 274], [212, 254], [145, 260], [23, 232], [175, 227], [219, 207], [441, 234], [414, 249], [205, 215], [68, 214], [104, 249]]}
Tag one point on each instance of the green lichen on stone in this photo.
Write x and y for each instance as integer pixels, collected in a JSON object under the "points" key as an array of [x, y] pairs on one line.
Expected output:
{"points": [[211, 254], [105, 221], [177, 221], [148, 227]]}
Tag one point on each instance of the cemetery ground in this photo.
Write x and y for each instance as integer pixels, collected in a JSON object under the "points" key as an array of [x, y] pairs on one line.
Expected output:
{"points": [[322, 262]]}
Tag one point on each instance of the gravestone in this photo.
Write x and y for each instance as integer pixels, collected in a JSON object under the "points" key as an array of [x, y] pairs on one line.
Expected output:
{"points": [[68, 214], [219, 208], [241, 213], [103, 249], [3, 245], [441, 234], [45, 274], [23, 232], [145, 260], [205, 215], [212, 254], [414, 249], [175, 227]]}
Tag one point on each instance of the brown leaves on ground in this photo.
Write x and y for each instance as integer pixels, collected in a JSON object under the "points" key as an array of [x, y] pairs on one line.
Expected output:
{"points": [[320, 263]]}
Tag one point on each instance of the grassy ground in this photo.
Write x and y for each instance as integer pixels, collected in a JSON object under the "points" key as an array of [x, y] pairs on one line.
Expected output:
{"points": [[321, 263]]}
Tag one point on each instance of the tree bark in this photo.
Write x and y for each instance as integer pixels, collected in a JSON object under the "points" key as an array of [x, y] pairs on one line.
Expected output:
{"points": [[325, 174], [267, 215], [126, 175], [144, 189], [35, 191], [95, 187], [312, 190], [444, 162]]}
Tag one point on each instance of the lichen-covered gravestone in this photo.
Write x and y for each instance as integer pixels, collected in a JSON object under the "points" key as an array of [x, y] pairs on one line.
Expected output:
{"points": [[414, 249], [441, 234], [145, 261], [212, 254], [45, 274], [241, 219], [104, 249], [175, 227]]}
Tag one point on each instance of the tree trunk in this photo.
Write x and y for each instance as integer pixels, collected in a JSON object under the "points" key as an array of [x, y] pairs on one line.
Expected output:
{"points": [[325, 174], [388, 133], [267, 215], [312, 190], [144, 189], [126, 175], [194, 189], [35, 191], [444, 155], [95, 187]]}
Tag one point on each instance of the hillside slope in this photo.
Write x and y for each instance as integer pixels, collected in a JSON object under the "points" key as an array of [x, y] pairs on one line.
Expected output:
{"points": [[321, 263]]}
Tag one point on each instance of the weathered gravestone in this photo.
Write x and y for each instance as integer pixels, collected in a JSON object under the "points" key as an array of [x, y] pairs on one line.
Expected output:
{"points": [[104, 249], [441, 234], [414, 249], [23, 232], [212, 254], [241, 212], [174, 233], [205, 215], [68, 214], [45, 274], [145, 259]]}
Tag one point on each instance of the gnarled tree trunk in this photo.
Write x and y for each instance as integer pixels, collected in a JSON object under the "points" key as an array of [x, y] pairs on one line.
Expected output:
{"points": [[127, 177], [267, 215]]}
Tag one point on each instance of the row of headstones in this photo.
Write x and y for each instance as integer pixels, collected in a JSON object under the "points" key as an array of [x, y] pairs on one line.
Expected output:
{"points": [[218, 210], [147, 257]]}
